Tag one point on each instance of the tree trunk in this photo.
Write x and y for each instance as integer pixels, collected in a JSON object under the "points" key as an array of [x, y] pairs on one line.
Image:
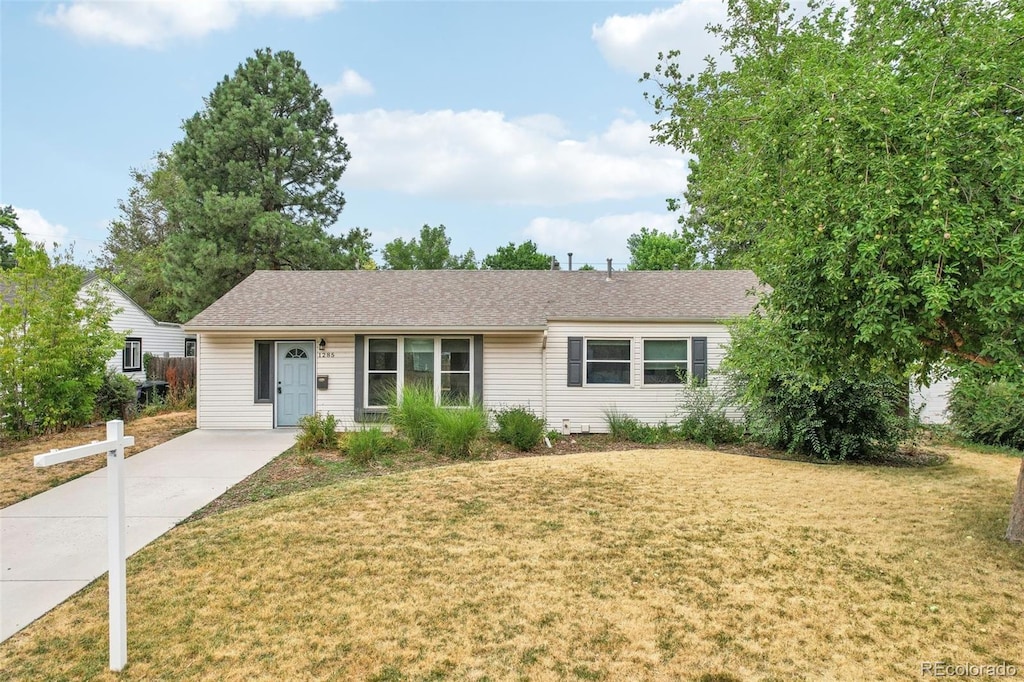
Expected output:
{"points": [[1015, 533]]}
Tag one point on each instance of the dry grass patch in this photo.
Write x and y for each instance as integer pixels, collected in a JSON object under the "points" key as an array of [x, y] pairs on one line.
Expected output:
{"points": [[660, 564], [19, 479]]}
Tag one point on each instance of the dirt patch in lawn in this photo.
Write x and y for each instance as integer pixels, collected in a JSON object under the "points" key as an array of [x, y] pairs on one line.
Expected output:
{"points": [[19, 479]]}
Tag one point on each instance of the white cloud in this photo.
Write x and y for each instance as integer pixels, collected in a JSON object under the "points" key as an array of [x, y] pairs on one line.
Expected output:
{"points": [[632, 42], [350, 84], [154, 23], [595, 240], [39, 229], [481, 155]]}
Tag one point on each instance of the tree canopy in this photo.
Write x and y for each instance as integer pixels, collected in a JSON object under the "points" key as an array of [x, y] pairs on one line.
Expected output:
{"points": [[9, 224], [432, 251], [259, 167], [133, 252], [866, 163], [522, 257], [54, 343], [654, 250], [868, 167]]}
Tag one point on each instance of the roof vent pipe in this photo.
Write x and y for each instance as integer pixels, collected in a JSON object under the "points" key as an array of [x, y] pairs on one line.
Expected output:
{"points": [[609, 268], [570, 261]]}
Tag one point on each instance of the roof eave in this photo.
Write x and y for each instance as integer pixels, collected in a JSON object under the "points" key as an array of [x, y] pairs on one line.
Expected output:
{"points": [[361, 329]]}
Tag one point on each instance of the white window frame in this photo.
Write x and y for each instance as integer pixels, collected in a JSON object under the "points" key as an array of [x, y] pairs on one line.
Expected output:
{"points": [[128, 354], [643, 358], [400, 369], [586, 361]]}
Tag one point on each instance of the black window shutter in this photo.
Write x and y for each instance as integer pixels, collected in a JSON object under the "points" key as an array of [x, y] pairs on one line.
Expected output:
{"points": [[360, 340], [575, 369], [478, 368], [700, 358]]}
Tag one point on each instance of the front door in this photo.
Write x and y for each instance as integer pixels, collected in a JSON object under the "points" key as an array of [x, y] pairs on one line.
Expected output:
{"points": [[294, 381]]}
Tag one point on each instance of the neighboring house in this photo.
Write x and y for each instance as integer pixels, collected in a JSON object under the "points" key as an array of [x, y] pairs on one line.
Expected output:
{"points": [[569, 345], [143, 333], [932, 400]]}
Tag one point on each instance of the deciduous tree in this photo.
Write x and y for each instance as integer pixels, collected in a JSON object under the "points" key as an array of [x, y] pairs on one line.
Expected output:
{"points": [[654, 250], [522, 257], [867, 165], [54, 343], [432, 251]]}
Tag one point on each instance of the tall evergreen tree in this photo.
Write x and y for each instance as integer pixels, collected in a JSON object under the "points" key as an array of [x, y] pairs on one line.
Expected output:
{"points": [[259, 168]]}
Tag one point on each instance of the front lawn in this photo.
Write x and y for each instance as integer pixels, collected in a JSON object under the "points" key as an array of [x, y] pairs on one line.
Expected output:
{"points": [[650, 564]]}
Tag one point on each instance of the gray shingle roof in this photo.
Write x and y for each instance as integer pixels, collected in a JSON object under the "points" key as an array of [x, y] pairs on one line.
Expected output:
{"points": [[475, 298]]}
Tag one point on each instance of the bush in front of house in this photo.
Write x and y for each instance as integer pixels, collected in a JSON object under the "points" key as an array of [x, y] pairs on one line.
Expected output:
{"points": [[368, 444], [519, 427], [990, 412], [844, 419], [415, 414], [317, 432], [116, 397], [456, 428], [624, 427], [817, 407], [702, 411]]}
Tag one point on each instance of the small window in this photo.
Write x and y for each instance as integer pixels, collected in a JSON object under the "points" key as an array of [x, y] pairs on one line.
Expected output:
{"points": [[381, 371], [608, 361], [665, 361], [455, 379], [264, 370], [131, 360], [296, 353], [190, 348]]}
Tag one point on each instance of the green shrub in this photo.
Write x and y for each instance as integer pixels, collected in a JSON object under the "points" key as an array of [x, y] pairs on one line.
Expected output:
{"points": [[519, 427], [990, 412], [368, 444], [844, 419], [317, 432], [624, 427], [703, 418], [456, 428], [116, 398], [827, 408], [415, 415]]}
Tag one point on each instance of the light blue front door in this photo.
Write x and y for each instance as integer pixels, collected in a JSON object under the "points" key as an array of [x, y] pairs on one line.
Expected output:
{"points": [[294, 381]]}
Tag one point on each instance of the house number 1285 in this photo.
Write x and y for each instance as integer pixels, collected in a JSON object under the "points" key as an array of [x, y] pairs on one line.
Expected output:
{"points": [[325, 354]]}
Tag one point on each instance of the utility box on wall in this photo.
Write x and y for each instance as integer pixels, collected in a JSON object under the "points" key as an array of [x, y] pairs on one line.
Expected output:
{"points": [[321, 382]]}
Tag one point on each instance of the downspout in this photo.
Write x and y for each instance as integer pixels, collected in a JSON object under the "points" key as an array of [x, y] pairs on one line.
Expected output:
{"points": [[544, 378]]}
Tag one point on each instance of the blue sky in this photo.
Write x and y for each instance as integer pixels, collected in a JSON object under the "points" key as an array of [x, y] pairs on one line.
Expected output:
{"points": [[504, 121]]}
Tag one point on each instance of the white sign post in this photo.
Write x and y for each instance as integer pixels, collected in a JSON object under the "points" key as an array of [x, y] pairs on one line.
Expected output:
{"points": [[114, 446]]}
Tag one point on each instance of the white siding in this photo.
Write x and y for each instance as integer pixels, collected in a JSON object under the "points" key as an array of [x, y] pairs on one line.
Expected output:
{"points": [[227, 381], [932, 401], [513, 371], [339, 398], [157, 338], [226, 378], [585, 406]]}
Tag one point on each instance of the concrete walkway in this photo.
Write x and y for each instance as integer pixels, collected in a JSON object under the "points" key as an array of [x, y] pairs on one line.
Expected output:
{"points": [[55, 543]]}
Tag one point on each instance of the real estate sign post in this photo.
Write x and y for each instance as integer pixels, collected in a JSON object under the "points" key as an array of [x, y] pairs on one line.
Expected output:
{"points": [[114, 446]]}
